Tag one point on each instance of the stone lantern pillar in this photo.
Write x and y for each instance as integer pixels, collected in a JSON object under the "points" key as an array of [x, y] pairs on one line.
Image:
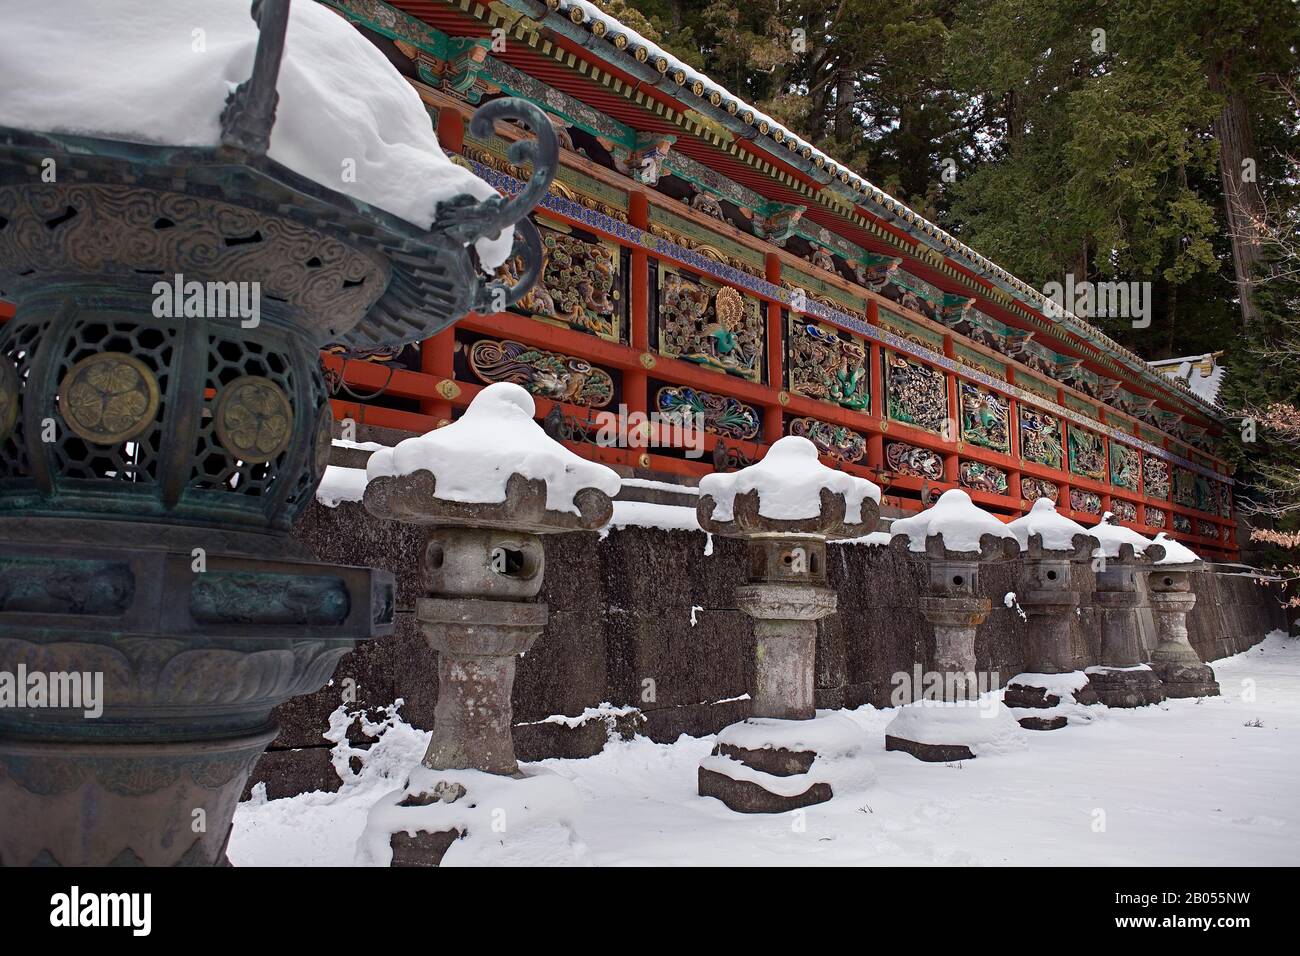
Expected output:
{"points": [[1122, 679], [482, 565], [784, 508], [1181, 671], [952, 719], [1053, 546], [154, 456]]}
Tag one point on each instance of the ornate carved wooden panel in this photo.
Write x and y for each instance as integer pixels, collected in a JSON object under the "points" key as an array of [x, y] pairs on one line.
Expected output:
{"points": [[985, 418], [554, 375], [722, 414], [1087, 454], [1124, 466], [581, 284], [1155, 477], [911, 460], [1031, 489], [709, 324], [1087, 501], [916, 394], [834, 441], [980, 477], [1040, 437], [829, 366]]}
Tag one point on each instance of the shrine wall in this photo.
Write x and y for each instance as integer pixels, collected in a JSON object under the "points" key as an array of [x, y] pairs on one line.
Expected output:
{"points": [[647, 618]]}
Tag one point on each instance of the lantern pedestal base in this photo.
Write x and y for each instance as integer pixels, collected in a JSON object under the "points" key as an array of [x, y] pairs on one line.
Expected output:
{"points": [[1050, 693], [1126, 686]]}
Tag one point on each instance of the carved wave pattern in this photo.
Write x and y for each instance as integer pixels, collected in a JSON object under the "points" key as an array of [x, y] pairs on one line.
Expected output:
{"points": [[553, 375], [722, 414]]}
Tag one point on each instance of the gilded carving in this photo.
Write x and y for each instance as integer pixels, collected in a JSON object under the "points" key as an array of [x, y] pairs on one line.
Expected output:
{"points": [[1040, 438], [985, 419], [109, 398], [834, 441], [916, 394], [828, 367], [253, 419], [714, 327], [1087, 455]]}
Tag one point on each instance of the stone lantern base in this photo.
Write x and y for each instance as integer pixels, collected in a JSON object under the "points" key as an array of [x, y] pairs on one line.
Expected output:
{"points": [[1186, 678], [524, 818], [945, 731], [769, 765], [1135, 686], [1049, 693]]}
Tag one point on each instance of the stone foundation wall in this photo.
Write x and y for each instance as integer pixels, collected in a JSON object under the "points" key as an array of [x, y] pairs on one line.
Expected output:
{"points": [[621, 631]]}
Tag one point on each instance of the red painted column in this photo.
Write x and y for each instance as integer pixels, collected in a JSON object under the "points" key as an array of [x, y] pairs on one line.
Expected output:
{"points": [[875, 374], [635, 383], [1013, 440], [437, 354], [773, 424], [1063, 498], [950, 463]]}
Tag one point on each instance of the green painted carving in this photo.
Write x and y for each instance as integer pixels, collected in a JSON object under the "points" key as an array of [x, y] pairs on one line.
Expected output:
{"points": [[721, 414], [553, 375], [1087, 455], [712, 326], [828, 366], [1124, 466], [985, 418], [1206, 500], [643, 161], [833, 441], [916, 394]]}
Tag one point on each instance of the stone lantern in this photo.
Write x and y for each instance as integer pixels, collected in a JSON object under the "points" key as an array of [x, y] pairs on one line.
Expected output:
{"points": [[152, 462], [1122, 679], [784, 508], [1053, 546], [956, 538], [1181, 671], [486, 487]]}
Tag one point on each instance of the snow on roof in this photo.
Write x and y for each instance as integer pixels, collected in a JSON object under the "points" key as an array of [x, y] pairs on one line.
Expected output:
{"points": [[954, 517], [624, 38], [474, 457], [1056, 530], [160, 73], [789, 481], [1202, 374]]}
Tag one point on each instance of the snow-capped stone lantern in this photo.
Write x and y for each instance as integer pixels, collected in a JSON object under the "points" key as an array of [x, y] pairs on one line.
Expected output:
{"points": [[1121, 679], [785, 508], [487, 487], [179, 253], [1169, 589], [1052, 545], [955, 537]]}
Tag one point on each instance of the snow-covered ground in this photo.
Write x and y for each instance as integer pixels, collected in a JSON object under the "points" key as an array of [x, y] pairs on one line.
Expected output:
{"points": [[1212, 782]]}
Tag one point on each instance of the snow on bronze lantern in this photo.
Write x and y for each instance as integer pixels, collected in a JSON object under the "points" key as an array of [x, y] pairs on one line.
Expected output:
{"points": [[784, 508], [152, 460]]}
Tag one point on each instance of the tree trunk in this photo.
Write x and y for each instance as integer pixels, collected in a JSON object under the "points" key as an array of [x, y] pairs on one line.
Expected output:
{"points": [[1242, 201]]}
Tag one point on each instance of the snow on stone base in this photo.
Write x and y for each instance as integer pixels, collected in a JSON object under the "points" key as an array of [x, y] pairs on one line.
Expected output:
{"points": [[505, 821], [1058, 685], [827, 734], [987, 728]]}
